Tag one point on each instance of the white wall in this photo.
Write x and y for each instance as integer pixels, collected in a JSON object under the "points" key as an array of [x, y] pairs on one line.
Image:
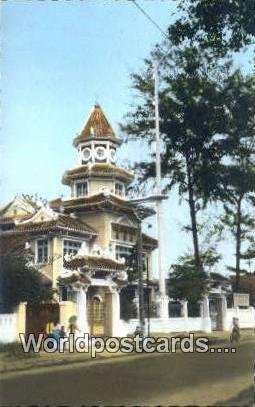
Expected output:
{"points": [[246, 320], [246, 317], [8, 327], [163, 325]]}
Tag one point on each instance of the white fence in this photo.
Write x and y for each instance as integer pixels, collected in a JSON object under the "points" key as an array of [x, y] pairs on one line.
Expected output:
{"points": [[246, 317], [8, 327], [246, 320], [8, 324], [166, 325]]}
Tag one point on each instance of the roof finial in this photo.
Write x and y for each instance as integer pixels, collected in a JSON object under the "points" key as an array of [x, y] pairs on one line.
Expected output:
{"points": [[96, 101]]}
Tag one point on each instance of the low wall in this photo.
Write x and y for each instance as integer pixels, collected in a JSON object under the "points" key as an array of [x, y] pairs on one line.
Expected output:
{"points": [[246, 317], [66, 310], [8, 327], [12, 324], [246, 320], [164, 325]]}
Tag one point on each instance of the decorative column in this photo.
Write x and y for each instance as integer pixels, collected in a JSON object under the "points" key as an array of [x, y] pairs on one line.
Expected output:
{"points": [[113, 323], [81, 309], [116, 324], [207, 324]]}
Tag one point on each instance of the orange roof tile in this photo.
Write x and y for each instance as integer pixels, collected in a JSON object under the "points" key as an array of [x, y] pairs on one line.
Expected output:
{"points": [[62, 222], [12, 218], [97, 126], [93, 262]]}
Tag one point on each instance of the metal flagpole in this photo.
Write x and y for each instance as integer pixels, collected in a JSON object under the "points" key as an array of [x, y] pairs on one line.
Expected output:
{"points": [[163, 299], [162, 286], [140, 276]]}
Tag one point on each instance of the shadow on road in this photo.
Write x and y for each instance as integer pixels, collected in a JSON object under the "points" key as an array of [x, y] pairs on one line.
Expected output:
{"points": [[244, 398]]}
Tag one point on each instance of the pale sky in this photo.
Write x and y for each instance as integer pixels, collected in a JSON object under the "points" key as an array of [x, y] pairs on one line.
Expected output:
{"points": [[58, 59]]}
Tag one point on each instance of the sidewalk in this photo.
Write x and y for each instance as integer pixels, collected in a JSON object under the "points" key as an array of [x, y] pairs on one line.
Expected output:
{"points": [[43, 359]]}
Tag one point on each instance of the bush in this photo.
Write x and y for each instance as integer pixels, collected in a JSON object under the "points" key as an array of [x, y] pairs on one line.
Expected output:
{"points": [[15, 349]]}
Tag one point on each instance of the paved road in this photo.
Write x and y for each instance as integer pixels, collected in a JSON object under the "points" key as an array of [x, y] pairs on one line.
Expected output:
{"points": [[177, 379]]}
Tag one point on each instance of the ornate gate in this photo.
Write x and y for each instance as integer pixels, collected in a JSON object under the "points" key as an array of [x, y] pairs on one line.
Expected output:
{"points": [[96, 316]]}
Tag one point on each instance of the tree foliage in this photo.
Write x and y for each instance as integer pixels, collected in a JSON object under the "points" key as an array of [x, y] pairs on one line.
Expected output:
{"points": [[20, 282], [218, 25], [187, 282], [237, 172], [247, 285], [192, 113], [207, 118]]}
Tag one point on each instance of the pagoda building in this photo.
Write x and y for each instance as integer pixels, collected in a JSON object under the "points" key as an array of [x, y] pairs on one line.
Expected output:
{"points": [[82, 243]]}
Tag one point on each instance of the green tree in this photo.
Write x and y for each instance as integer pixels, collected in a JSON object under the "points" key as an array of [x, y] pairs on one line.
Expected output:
{"points": [[192, 114], [20, 282], [186, 282], [128, 308], [237, 218], [249, 255], [217, 25], [237, 173], [131, 264], [247, 285]]}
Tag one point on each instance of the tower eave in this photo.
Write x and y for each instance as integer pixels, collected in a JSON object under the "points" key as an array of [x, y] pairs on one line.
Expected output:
{"points": [[102, 201], [97, 171], [83, 139]]}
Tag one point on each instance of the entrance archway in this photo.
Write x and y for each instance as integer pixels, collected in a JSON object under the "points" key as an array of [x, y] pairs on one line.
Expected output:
{"points": [[96, 312]]}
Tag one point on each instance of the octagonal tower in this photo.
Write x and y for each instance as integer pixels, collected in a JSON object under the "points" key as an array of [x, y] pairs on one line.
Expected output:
{"points": [[97, 171]]}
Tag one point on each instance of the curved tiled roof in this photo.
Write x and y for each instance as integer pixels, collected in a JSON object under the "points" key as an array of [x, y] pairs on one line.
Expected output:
{"points": [[105, 201], [93, 262], [97, 126], [98, 170], [12, 218], [72, 277], [61, 222]]}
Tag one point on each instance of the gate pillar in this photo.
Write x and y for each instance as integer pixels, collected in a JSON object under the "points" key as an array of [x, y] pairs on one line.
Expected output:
{"points": [[21, 319], [207, 323], [184, 313], [81, 309], [113, 322], [223, 310]]}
